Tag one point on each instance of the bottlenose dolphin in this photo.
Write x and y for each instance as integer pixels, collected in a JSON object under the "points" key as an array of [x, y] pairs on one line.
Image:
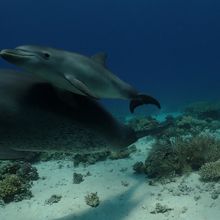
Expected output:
{"points": [[34, 118], [76, 73]]}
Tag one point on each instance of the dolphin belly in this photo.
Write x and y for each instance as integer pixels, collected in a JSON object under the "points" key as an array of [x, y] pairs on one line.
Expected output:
{"points": [[34, 118]]}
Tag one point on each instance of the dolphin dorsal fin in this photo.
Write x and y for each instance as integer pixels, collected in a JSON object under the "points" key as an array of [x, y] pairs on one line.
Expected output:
{"points": [[100, 58]]}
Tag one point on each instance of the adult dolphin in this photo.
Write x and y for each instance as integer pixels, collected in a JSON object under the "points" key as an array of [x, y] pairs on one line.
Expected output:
{"points": [[74, 72], [34, 118]]}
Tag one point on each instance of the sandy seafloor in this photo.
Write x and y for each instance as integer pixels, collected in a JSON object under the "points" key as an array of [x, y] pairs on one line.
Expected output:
{"points": [[187, 197]]}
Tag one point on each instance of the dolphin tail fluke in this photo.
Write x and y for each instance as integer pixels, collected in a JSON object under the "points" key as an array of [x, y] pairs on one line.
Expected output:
{"points": [[142, 99]]}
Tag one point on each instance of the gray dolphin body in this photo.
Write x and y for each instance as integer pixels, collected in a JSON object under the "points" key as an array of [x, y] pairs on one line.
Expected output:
{"points": [[76, 73], [34, 118]]}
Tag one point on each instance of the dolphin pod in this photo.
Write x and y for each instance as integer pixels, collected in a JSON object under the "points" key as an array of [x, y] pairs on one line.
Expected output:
{"points": [[34, 118], [87, 76]]}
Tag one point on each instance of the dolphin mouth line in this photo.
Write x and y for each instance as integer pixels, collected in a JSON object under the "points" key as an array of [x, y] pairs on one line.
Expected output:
{"points": [[16, 53]]}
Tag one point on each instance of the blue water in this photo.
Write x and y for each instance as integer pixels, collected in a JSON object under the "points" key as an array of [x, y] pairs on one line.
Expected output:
{"points": [[169, 49]]}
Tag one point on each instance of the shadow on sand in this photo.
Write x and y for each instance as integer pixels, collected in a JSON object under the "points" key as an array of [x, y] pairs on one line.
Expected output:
{"points": [[117, 207]]}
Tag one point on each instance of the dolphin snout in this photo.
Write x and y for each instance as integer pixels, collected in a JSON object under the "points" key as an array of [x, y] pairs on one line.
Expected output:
{"points": [[2, 52], [5, 53], [15, 55]]}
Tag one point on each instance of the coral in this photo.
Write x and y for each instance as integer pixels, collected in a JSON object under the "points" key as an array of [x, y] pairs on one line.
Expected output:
{"points": [[204, 110], [185, 125], [172, 127], [22, 169], [46, 156], [162, 160], [184, 122], [159, 208], [144, 126], [34, 157], [87, 159], [194, 151], [191, 124], [214, 125], [115, 155], [214, 195], [124, 183], [198, 150], [11, 187], [143, 123], [53, 199], [15, 180], [77, 178], [26, 171], [125, 153], [179, 155], [210, 171], [139, 167], [92, 199]]}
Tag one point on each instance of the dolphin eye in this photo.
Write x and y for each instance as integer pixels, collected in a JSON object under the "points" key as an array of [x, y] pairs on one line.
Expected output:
{"points": [[46, 55]]}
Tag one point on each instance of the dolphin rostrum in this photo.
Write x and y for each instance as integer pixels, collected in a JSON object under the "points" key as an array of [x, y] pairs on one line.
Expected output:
{"points": [[76, 73], [34, 118]]}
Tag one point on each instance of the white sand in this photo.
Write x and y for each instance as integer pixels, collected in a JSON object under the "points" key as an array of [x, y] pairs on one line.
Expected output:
{"points": [[134, 202]]}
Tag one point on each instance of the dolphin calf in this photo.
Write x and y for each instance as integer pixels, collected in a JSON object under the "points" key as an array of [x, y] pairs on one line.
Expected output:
{"points": [[34, 118], [76, 73]]}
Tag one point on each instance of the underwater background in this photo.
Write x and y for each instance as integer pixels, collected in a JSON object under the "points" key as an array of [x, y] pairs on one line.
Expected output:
{"points": [[169, 49]]}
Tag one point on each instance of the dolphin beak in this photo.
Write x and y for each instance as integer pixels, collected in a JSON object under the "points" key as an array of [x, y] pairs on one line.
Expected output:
{"points": [[14, 55], [2, 52], [8, 53]]}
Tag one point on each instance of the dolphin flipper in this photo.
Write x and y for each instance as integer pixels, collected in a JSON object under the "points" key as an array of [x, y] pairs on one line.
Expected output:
{"points": [[142, 99], [80, 86]]}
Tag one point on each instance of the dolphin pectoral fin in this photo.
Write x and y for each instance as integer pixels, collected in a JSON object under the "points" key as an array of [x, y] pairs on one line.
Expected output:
{"points": [[141, 100], [80, 86]]}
